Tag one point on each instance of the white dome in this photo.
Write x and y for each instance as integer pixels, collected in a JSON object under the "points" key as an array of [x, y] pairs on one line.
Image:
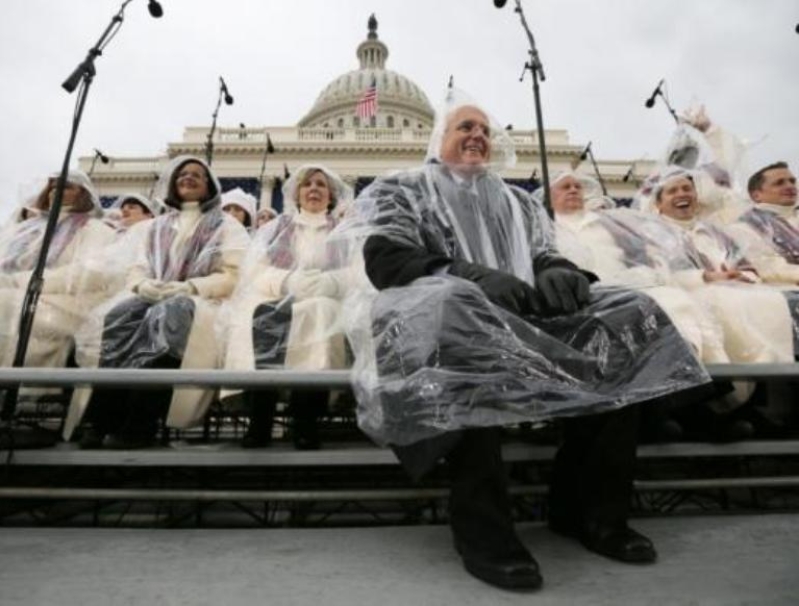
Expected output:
{"points": [[401, 103]]}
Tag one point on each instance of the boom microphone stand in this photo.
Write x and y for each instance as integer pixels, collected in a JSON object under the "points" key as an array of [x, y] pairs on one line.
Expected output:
{"points": [[588, 152], [268, 149], [536, 68], [209, 142], [81, 79]]}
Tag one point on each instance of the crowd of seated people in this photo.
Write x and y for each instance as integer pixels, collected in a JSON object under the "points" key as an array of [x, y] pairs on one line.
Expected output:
{"points": [[201, 279]]}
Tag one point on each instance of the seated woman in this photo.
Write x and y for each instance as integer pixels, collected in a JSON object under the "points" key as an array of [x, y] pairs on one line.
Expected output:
{"points": [[287, 309], [241, 206], [187, 263], [135, 208], [72, 285]]}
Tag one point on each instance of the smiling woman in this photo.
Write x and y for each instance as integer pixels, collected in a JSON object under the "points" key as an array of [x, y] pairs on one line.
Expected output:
{"points": [[287, 309], [187, 262]]}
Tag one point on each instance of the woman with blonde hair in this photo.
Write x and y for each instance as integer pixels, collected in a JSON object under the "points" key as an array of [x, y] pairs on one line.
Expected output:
{"points": [[287, 309]]}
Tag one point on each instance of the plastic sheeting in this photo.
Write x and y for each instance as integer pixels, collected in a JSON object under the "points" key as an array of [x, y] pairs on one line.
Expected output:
{"points": [[716, 160], [502, 151], [193, 253], [780, 231], [75, 276], [435, 355], [246, 202], [287, 308]]}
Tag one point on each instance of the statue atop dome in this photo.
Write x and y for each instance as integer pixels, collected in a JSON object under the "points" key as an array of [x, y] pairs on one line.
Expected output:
{"points": [[372, 27]]}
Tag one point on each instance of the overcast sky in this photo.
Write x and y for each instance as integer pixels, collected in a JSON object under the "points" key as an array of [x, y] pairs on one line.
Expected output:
{"points": [[602, 58]]}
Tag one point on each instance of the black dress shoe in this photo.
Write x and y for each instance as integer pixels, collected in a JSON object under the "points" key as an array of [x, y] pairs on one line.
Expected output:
{"points": [[623, 544], [254, 438], [305, 434], [506, 573], [128, 442], [306, 442], [91, 438]]}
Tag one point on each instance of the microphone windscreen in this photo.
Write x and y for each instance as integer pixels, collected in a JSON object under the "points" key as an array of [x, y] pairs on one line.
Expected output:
{"points": [[499, 3], [155, 9], [650, 102]]}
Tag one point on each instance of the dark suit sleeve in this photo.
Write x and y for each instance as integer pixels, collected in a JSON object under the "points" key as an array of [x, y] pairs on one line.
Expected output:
{"points": [[396, 254], [389, 263]]}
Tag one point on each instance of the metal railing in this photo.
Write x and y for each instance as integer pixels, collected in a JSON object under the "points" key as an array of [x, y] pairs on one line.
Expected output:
{"points": [[341, 379], [268, 379]]}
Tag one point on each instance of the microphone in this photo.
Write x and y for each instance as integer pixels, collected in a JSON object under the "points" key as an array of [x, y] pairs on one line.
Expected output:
{"points": [[103, 158], [228, 96], [155, 9], [628, 175], [586, 151], [499, 3], [651, 101]]}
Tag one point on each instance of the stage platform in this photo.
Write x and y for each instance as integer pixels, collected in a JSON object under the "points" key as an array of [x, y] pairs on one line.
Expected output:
{"points": [[727, 560]]}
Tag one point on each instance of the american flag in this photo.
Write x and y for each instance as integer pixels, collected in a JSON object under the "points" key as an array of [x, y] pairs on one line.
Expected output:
{"points": [[367, 104]]}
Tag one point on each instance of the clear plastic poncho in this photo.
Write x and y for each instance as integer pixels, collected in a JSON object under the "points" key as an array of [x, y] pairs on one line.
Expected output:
{"points": [[193, 247], [434, 355], [287, 309], [716, 159], [154, 206], [755, 317], [246, 202], [74, 275]]}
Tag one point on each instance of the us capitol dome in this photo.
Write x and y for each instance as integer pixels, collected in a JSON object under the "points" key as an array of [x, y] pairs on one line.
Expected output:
{"points": [[401, 103], [259, 158]]}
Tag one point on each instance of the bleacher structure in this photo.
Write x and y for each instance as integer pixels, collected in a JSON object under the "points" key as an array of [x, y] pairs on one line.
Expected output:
{"points": [[204, 478]]}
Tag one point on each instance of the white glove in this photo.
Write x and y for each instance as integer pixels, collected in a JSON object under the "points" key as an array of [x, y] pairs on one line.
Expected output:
{"points": [[299, 282], [150, 290], [311, 283], [324, 285], [174, 289]]}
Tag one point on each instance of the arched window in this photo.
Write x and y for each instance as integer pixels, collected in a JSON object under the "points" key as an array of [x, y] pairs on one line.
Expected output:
{"points": [[406, 123], [341, 122], [373, 121], [356, 122], [390, 122]]}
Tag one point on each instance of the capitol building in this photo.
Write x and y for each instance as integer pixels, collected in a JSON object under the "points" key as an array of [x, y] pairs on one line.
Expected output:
{"points": [[359, 150]]}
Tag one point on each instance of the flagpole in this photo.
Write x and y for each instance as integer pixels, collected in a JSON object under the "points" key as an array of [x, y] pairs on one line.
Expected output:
{"points": [[268, 149]]}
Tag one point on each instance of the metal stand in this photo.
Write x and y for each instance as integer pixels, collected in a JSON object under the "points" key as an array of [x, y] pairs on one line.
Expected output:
{"points": [[81, 77], [268, 149], [535, 67], [209, 142], [589, 153]]}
